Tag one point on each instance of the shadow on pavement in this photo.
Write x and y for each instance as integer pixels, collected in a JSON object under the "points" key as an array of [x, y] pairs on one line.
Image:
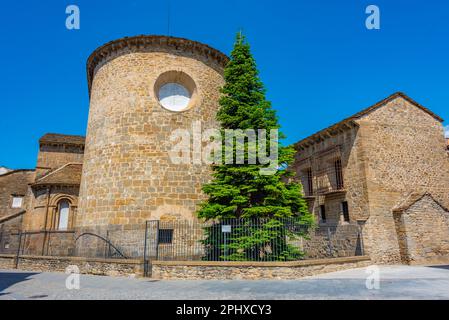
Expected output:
{"points": [[8, 279], [440, 267]]}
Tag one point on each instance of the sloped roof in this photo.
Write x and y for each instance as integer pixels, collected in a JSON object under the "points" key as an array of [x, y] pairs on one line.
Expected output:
{"points": [[69, 174], [4, 170], [412, 199], [16, 171], [348, 122], [12, 216], [62, 139]]}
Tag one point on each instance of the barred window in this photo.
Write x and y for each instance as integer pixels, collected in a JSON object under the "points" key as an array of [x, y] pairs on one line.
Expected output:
{"points": [[165, 236], [309, 180], [338, 174]]}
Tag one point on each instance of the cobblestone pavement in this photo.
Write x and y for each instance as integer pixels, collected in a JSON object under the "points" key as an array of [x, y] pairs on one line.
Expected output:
{"points": [[396, 282]]}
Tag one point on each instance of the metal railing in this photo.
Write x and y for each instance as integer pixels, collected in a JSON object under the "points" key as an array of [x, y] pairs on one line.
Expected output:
{"points": [[256, 240], [108, 243], [249, 240]]}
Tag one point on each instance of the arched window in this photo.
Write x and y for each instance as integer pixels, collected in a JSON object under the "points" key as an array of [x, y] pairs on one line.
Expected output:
{"points": [[64, 211]]}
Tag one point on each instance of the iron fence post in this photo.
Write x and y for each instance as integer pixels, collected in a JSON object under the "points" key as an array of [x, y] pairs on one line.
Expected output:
{"points": [[48, 243], [18, 250], [145, 263], [107, 252], [225, 249], [157, 239], [331, 250], [360, 234], [1, 237]]}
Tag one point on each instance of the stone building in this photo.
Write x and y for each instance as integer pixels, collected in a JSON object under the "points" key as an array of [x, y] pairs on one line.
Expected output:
{"points": [[141, 89], [4, 170], [43, 201], [387, 168], [14, 199], [55, 189]]}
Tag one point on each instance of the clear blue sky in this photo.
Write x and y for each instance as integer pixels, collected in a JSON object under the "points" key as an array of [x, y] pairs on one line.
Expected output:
{"points": [[316, 58]]}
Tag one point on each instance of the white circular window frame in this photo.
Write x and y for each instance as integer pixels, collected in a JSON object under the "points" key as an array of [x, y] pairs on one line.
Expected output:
{"points": [[181, 78], [174, 97]]}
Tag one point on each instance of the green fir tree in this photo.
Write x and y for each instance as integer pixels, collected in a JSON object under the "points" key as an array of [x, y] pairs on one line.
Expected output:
{"points": [[240, 190]]}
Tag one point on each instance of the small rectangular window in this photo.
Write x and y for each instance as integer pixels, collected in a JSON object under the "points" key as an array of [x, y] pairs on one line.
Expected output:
{"points": [[345, 209], [338, 174], [17, 202], [309, 181], [165, 236], [323, 213]]}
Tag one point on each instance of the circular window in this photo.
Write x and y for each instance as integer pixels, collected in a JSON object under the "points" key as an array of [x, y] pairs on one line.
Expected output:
{"points": [[174, 97], [176, 91]]}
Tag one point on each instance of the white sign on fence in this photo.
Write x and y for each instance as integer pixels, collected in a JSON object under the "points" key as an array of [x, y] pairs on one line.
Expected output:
{"points": [[226, 229]]}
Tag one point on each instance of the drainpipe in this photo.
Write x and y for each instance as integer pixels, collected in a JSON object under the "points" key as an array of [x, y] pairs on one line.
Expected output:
{"points": [[46, 219], [361, 224]]}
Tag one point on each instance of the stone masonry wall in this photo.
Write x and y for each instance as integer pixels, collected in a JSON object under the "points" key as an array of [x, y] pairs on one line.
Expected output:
{"points": [[423, 231], [128, 177], [52, 157], [252, 271], [9, 235], [353, 160], [7, 262], [333, 242], [43, 207], [14, 183], [405, 148], [102, 267], [391, 152]]}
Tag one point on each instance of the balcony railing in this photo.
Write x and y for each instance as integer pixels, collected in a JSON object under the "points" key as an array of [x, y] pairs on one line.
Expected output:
{"points": [[325, 181]]}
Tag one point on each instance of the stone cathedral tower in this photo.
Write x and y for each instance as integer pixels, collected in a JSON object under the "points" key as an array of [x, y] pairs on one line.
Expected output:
{"points": [[141, 90]]}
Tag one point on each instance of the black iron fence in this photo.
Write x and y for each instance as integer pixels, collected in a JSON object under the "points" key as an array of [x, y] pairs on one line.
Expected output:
{"points": [[42, 243], [250, 240], [109, 243], [228, 240], [117, 242]]}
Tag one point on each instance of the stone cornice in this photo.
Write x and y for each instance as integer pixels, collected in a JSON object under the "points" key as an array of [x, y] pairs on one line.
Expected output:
{"points": [[143, 42]]}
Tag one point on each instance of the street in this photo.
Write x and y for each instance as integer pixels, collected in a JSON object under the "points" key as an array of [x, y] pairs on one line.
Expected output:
{"points": [[396, 282]]}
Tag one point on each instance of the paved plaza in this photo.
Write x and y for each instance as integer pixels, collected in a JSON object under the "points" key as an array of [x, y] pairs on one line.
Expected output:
{"points": [[396, 282]]}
